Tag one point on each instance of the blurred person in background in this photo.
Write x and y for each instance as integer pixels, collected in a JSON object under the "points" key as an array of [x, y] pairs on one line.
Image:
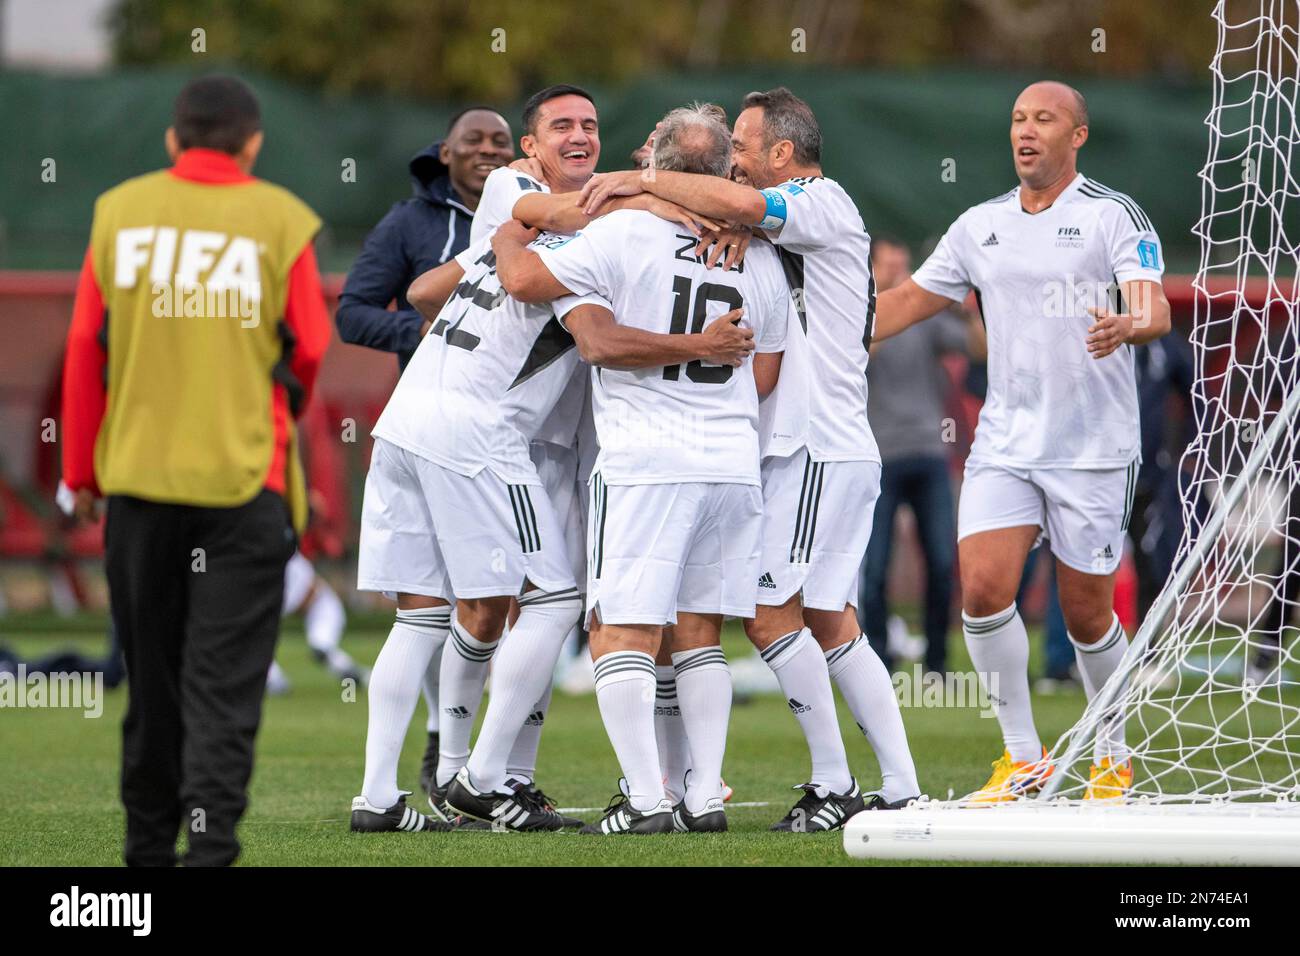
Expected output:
{"points": [[185, 422], [416, 235], [907, 387]]}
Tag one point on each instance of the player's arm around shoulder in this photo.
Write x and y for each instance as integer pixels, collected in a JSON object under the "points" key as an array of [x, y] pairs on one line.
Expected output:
{"points": [[431, 290], [520, 270]]}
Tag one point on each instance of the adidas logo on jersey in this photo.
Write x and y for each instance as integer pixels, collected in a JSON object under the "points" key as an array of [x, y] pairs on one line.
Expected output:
{"points": [[798, 708], [766, 581], [992, 240], [460, 713]]}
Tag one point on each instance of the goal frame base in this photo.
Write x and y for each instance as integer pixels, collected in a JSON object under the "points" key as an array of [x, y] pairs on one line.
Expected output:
{"points": [[1258, 834]]}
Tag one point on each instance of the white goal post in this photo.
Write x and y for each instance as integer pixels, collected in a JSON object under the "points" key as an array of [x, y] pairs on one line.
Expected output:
{"points": [[1209, 689]]}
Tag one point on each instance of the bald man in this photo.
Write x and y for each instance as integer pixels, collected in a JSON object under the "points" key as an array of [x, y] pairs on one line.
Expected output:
{"points": [[1067, 276]]}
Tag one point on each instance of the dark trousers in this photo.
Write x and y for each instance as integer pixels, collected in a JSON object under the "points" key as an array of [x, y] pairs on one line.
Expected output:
{"points": [[196, 596], [923, 484]]}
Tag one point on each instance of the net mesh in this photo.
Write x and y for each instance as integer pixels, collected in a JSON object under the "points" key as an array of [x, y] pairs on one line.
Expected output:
{"points": [[1209, 692]]}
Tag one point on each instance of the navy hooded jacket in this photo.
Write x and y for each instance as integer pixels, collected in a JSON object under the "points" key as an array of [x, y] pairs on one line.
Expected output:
{"points": [[416, 235]]}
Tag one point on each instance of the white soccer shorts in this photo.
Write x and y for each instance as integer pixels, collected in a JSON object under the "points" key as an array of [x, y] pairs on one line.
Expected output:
{"points": [[1083, 513], [817, 519], [558, 468], [428, 530], [655, 550]]}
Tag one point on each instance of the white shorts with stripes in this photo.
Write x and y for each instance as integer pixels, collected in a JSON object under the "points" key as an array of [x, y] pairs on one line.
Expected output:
{"points": [[428, 530], [816, 524], [558, 468], [654, 550], [1083, 513]]}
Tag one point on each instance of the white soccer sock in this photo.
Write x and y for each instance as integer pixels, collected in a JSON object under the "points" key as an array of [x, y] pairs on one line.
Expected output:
{"points": [[522, 673], [670, 733], [1096, 663], [465, 665], [522, 762], [625, 693], [999, 649], [704, 690], [429, 685], [391, 695], [801, 670], [323, 621], [863, 680]]}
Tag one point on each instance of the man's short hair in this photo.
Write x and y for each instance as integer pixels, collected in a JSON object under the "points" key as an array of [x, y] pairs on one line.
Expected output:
{"points": [[1080, 108], [451, 123], [216, 112], [534, 104], [694, 139], [785, 116]]}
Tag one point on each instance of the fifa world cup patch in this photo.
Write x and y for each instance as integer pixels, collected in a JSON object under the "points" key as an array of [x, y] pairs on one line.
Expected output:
{"points": [[1148, 254]]}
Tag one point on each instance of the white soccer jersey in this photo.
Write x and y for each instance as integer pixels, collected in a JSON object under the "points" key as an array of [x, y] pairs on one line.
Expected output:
{"points": [[496, 204], [1050, 404], [483, 380], [684, 423], [826, 254]]}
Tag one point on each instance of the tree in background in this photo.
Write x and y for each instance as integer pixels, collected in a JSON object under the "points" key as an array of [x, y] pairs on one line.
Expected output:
{"points": [[444, 48]]}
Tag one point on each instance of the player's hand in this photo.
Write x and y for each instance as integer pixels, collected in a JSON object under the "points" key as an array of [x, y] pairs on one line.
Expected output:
{"points": [[512, 230], [1109, 332], [696, 225], [727, 342], [728, 244], [530, 166], [86, 507], [603, 186]]}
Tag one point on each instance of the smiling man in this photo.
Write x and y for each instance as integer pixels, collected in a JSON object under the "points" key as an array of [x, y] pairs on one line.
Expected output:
{"points": [[1057, 446]]}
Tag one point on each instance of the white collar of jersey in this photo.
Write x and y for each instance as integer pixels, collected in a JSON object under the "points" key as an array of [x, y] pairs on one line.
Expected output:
{"points": [[1066, 194]]}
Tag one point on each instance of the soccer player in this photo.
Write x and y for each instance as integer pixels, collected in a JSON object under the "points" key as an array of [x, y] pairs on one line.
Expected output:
{"points": [[676, 503], [416, 235], [1056, 448], [562, 142], [821, 468]]}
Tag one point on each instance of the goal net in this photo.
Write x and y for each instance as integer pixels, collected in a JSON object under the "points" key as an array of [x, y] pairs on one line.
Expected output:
{"points": [[1207, 700]]}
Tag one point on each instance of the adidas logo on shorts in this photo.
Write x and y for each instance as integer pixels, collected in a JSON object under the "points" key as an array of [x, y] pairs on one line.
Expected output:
{"points": [[460, 713], [766, 581], [798, 708], [535, 719]]}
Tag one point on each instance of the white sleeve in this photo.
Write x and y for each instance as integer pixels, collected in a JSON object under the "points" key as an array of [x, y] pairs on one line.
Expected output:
{"points": [[776, 321], [501, 190], [798, 217], [1134, 246], [567, 303], [585, 262], [945, 272]]}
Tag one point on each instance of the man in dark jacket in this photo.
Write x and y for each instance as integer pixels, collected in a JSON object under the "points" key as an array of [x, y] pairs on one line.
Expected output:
{"points": [[416, 235], [422, 232]]}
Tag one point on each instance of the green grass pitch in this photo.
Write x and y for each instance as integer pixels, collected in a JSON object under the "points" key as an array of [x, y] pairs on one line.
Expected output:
{"points": [[61, 800]]}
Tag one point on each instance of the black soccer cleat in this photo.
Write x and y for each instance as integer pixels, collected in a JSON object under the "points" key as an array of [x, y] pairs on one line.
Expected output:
{"points": [[570, 823], [367, 818], [441, 811], [819, 810], [429, 765], [620, 817], [878, 802], [517, 810], [712, 820]]}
